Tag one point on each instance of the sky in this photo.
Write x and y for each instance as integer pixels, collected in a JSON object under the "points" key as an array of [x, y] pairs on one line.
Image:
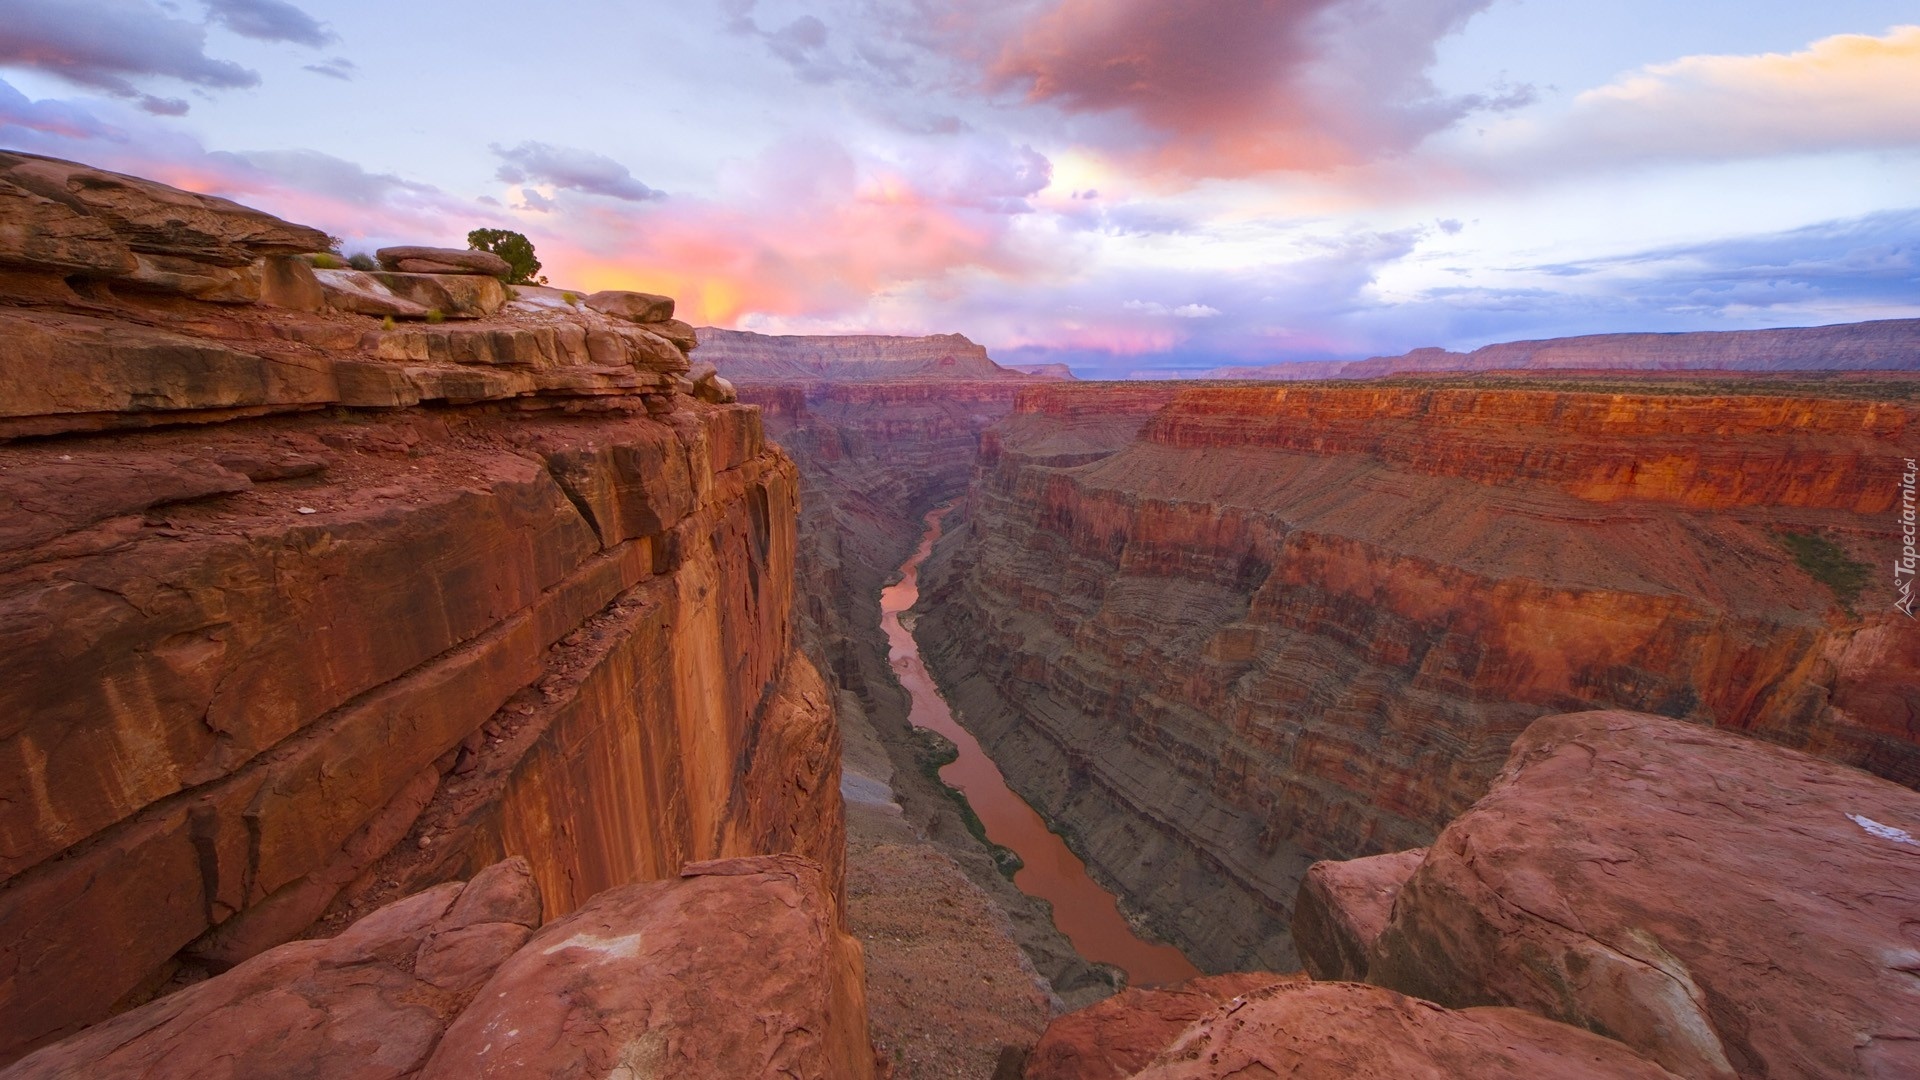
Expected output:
{"points": [[1140, 187]]}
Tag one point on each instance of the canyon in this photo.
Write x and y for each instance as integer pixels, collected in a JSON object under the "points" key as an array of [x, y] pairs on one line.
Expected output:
{"points": [[1217, 633], [412, 675]]}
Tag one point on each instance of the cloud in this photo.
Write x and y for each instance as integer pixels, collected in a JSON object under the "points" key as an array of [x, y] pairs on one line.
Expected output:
{"points": [[104, 44], [22, 118], [810, 229], [338, 67], [571, 169], [270, 20], [1239, 87], [1846, 92]]}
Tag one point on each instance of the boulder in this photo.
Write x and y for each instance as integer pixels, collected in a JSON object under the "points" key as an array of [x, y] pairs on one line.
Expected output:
{"points": [[362, 294], [37, 233], [737, 969], [288, 282], [1337, 1031], [633, 306], [1342, 907], [154, 219], [456, 296], [1123, 1034], [432, 260], [369, 1004], [1727, 906], [682, 335]]}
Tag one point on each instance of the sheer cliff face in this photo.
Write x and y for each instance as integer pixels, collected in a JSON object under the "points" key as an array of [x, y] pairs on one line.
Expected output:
{"points": [[1258, 625], [299, 614]]}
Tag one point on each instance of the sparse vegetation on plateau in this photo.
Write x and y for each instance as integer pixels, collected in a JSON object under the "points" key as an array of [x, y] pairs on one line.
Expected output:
{"points": [[1825, 562]]}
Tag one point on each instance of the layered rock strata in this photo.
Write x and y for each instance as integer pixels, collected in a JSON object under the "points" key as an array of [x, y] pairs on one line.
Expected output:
{"points": [[1218, 638], [463, 981], [302, 614], [750, 357], [1883, 345]]}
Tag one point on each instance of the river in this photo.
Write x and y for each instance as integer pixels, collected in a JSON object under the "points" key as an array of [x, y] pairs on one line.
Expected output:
{"points": [[1084, 911]]}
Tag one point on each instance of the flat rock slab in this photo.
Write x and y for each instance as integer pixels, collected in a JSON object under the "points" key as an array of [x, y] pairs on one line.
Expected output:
{"points": [[1339, 1031], [433, 260], [1343, 906], [360, 293], [1729, 907]]}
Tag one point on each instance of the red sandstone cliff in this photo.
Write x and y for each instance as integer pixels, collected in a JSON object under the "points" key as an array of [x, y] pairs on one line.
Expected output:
{"points": [[1275, 624], [303, 612]]}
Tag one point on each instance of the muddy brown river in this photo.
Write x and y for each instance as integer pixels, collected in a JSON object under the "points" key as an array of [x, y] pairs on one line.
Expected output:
{"points": [[1084, 911]]}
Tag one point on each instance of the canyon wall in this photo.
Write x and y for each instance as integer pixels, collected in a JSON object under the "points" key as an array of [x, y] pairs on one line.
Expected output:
{"points": [[1884, 345], [304, 611], [1215, 633], [744, 356]]}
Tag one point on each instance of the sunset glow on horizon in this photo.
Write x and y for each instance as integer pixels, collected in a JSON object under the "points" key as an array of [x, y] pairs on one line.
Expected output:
{"points": [[1127, 186]]}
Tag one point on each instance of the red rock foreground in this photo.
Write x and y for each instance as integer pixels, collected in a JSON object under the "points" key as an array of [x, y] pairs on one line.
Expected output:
{"points": [[1707, 902], [302, 610], [1728, 907], [1323, 1031], [735, 969]]}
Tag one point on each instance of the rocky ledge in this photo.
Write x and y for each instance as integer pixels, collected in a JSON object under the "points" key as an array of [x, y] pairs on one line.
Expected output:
{"points": [[307, 609], [462, 981]]}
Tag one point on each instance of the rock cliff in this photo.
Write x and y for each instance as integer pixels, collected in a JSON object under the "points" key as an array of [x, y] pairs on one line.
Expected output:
{"points": [[1883, 345], [1215, 637], [749, 357], [304, 611]]}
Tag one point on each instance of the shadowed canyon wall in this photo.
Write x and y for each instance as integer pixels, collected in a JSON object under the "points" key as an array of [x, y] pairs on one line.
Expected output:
{"points": [[1215, 633], [303, 612]]}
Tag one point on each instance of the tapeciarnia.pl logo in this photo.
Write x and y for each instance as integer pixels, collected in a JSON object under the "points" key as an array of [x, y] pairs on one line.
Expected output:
{"points": [[1903, 567]]}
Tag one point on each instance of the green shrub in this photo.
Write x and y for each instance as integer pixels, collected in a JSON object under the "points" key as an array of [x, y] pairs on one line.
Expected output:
{"points": [[571, 298], [435, 316], [386, 323], [327, 260], [360, 260], [1825, 562], [523, 267]]}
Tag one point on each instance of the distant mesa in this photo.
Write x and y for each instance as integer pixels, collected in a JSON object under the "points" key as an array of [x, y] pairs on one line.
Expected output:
{"points": [[1045, 371], [1885, 345], [745, 356]]}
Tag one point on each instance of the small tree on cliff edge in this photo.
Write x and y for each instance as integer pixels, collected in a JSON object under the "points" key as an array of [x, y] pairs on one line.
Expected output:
{"points": [[513, 247]]}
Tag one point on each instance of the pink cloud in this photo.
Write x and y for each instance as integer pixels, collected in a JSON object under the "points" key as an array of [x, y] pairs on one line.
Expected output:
{"points": [[1242, 86]]}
